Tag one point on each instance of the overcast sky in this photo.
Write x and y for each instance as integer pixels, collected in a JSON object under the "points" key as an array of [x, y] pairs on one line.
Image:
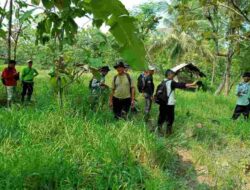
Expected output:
{"points": [[128, 3], [131, 3]]}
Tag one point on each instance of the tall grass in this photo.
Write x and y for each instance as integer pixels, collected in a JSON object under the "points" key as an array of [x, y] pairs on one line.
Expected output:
{"points": [[45, 147]]}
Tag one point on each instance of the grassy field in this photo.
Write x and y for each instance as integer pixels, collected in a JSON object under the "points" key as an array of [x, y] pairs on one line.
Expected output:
{"points": [[45, 147]]}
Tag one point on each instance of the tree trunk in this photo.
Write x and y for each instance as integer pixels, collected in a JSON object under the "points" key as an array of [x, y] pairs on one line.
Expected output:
{"points": [[16, 41], [10, 28], [60, 92], [213, 74], [221, 86], [228, 74]]}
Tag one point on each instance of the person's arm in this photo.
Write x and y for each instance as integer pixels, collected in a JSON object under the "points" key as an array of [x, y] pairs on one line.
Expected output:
{"points": [[23, 74], [3, 74], [191, 85], [133, 96], [238, 93], [112, 94], [181, 85], [35, 73]]}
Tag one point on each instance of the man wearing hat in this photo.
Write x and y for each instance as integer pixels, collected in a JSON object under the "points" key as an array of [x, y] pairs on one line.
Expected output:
{"points": [[167, 108], [27, 77], [123, 91], [243, 101], [9, 78], [98, 87], [148, 90]]}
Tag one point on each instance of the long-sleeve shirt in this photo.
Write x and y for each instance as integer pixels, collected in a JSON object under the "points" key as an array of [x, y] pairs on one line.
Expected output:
{"points": [[9, 76], [171, 86], [28, 74], [243, 93], [149, 85]]}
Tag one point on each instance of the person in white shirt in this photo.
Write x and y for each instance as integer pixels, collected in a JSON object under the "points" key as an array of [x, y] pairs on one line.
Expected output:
{"points": [[167, 110]]}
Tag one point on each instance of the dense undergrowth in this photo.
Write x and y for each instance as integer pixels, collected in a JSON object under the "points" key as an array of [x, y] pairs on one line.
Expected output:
{"points": [[45, 147]]}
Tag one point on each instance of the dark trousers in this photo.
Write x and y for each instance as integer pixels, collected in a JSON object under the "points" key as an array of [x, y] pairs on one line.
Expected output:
{"points": [[27, 90], [241, 110], [120, 106], [166, 115]]}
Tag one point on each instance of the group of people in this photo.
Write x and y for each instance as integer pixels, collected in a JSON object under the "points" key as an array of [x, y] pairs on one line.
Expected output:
{"points": [[122, 96], [123, 90], [10, 78]]}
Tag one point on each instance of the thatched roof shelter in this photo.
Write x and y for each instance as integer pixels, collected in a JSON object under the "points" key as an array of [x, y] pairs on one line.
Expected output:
{"points": [[186, 72]]}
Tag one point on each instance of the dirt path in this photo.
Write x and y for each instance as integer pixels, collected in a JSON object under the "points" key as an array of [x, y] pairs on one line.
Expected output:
{"points": [[201, 172]]}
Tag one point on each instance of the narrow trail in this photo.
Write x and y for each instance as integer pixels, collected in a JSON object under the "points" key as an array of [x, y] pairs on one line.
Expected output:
{"points": [[201, 172]]}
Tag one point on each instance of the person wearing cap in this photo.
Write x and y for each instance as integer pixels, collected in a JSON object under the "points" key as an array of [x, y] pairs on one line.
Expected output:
{"points": [[243, 94], [9, 78], [98, 87], [123, 92], [167, 110], [27, 77], [148, 90]]}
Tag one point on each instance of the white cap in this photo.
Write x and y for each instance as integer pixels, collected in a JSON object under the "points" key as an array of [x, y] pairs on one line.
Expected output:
{"points": [[151, 68]]}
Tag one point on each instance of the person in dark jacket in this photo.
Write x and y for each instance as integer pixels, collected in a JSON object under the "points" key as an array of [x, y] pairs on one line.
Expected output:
{"points": [[167, 110], [148, 90]]}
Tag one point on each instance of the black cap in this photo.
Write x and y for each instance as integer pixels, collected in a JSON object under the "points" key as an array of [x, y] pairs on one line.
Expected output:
{"points": [[120, 64], [246, 74], [12, 62], [169, 71], [104, 68]]}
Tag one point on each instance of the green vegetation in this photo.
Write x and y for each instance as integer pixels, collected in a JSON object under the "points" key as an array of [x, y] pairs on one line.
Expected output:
{"points": [[49, 145], [43, 146]]}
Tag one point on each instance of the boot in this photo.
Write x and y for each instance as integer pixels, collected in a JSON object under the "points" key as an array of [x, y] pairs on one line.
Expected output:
{"points": [[169, 130]]}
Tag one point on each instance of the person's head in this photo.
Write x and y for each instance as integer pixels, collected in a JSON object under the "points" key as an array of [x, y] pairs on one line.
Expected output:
{"points": [[12, 64], [246, 76], [170, 74], [120, 67], [151, 70], [104, 70], [30, 63]]}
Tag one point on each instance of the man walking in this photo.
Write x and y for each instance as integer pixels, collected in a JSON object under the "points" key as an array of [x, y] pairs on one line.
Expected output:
{"points": [[243, 94], [123, 92], [167, 106], [146, 86], [28, 75], [9, 78]]}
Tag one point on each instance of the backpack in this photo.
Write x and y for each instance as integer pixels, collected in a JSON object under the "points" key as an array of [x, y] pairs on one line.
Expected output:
{"points": [[141, 83], [161, 96], [129, 80], [90, 84]]}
